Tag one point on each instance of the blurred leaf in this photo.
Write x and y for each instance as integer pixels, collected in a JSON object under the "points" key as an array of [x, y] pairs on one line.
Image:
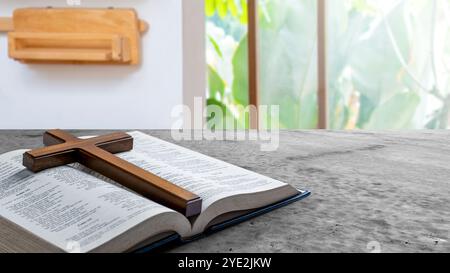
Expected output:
{"points": [[216, 84], [222, 8], [212, 101], [365, 75], [374, 62], [433, 124], [396, 113], [237, 9], [243, 18], [366, 109], [216, 46], [215, 119], [210, 7], [240, 72], [308, 116], [233, 9], [339, 111], [289, 62], [219, 116]]}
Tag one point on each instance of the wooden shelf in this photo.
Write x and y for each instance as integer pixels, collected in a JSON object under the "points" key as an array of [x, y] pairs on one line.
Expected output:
{"points": [[67, 47], [72, 35]]}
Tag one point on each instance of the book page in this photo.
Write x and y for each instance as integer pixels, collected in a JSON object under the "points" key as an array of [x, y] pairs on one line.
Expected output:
{"points": [[209, 178], [67, 207]]}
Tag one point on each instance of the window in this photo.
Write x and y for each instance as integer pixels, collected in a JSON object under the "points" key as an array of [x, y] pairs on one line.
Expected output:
{"points": [[227, 57], [288, 61], [387, 62]]}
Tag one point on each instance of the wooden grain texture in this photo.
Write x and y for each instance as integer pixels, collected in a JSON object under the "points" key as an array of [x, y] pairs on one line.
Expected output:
{"points": [[253, 62], [67, 35], [97, 154], [322, 72], [70, 47]]}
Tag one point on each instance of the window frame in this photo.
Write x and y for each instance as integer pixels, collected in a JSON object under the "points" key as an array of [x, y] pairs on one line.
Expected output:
{"points": [[253, 62], [192, 64]]}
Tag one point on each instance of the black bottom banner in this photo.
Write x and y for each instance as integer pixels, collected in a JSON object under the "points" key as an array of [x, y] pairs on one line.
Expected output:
{"points": [[168, 263]]}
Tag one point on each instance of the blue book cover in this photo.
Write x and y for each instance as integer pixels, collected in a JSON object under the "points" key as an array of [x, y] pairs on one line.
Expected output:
{"points": [[175, 240]]}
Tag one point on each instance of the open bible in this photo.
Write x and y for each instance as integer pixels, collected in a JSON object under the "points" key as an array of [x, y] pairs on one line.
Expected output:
{"points": [[73, 209]]}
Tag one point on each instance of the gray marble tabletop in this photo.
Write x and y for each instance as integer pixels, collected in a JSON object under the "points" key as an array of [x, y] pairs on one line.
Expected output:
{"points": [[387, 191]]}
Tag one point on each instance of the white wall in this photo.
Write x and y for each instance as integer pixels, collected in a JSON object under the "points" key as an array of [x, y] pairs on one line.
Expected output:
{"points": [[102, 97]]}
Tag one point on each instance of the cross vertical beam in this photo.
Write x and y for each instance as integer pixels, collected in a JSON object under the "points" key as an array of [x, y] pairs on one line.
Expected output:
{"points": [[253, 63], [322, 64]]}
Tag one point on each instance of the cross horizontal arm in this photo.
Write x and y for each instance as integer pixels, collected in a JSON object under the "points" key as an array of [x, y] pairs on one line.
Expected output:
{"points": [[55, 137], [64, 147], [141, 181]]}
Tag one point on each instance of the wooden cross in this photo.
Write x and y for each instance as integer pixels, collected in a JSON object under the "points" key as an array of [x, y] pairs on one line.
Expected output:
{"points": [[97, 154]]}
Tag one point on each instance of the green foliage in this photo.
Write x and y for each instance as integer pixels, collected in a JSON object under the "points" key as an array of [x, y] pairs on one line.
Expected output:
{"points": [[237, 9], [388, 55], [240, 72], [385, 70], [288, 62], [387, 115], [216, 84], [216, 46]]}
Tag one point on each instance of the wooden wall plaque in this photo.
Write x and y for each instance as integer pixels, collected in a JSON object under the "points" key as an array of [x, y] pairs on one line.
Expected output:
{"points": [[74, 35]]}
